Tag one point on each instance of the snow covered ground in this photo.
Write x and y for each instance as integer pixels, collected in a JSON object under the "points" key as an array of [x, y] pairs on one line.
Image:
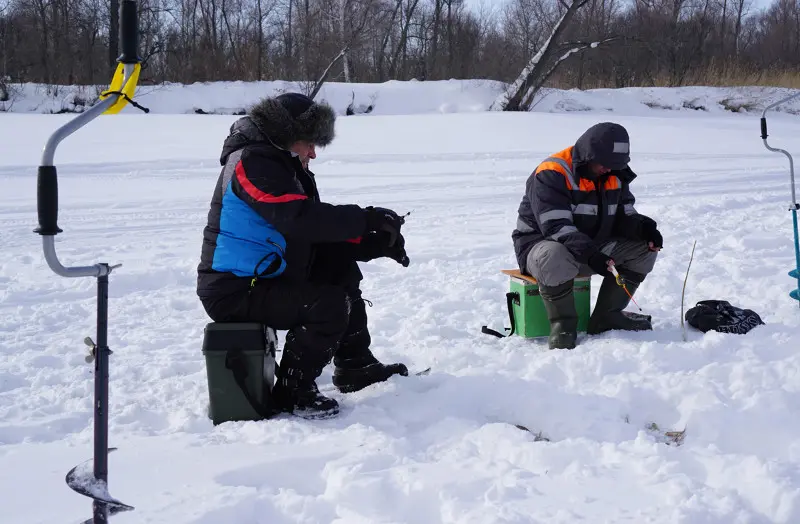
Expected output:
{"points": [[404, 98], [134, 189]]}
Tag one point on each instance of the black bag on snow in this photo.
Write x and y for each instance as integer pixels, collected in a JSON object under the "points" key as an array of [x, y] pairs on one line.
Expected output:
{"points": [[719, 315]]}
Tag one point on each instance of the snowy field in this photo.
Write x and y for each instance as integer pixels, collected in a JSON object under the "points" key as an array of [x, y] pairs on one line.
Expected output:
{"points": [[406, 97], [134, 189]]}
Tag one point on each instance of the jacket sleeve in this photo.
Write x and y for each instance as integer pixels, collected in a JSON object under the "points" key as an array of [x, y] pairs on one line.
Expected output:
{"points": [[270, 189], [552, 207], [628, 222]]}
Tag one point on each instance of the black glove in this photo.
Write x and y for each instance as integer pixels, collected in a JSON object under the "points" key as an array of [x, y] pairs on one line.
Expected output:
{"points": [[397, 252], [650, 233], [376, 245], [372, 246], [599, 264], [382, 219]]}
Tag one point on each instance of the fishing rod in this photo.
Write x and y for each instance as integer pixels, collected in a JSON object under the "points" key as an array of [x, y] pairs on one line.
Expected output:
{"points": [[90, 478]]}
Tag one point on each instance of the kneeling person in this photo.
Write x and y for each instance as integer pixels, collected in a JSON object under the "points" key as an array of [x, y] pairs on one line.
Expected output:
{"points": [[577, 216]]}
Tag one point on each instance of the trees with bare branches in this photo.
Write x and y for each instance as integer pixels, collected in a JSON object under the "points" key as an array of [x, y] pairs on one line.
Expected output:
{"points": [[554, 42]]}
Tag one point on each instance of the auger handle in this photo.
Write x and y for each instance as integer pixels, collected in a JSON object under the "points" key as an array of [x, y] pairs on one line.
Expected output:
{"points": [[129, 33]]}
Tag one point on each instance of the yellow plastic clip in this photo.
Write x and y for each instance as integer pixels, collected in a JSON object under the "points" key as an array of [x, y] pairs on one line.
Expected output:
{"points": [[128, 90]]}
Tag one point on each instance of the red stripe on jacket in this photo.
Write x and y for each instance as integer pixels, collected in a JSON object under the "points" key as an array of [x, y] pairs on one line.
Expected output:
{"points": [[257, 194]]}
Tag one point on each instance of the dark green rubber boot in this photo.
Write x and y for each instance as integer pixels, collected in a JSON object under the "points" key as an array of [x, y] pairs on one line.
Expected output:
{"points": [[608, 310], [559, 302]]}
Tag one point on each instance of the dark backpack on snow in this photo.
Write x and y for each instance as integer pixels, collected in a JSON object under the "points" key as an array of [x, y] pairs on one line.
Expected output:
{"points": [[719, 315]]}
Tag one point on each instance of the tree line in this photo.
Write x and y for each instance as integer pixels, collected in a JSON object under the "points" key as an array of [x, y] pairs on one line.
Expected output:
{"points": [[599, 43]]}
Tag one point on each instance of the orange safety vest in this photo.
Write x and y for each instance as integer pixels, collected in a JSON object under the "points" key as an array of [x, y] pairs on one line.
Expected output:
{"points": [[562, 163]]}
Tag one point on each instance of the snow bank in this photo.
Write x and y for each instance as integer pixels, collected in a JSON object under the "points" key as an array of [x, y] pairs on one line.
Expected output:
{"points": [[405, 98]]}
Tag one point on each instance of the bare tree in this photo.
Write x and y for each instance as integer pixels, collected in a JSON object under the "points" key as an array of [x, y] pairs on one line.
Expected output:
{"points": [[521, 92], [381, 54], [555, 43], [741, 6], [4, 95], [113, 33], [351, 37], [402, 44]]}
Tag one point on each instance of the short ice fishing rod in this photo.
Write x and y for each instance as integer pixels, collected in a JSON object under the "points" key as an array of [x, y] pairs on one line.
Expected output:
{"points": [[621, 283], [91, 477]]}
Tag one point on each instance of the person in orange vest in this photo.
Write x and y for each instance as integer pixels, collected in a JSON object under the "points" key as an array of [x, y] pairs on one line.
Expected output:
{"points": [[577, 216]]}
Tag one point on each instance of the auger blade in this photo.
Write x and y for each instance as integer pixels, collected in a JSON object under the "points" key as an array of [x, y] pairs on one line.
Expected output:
{"points": [[82, 480]]}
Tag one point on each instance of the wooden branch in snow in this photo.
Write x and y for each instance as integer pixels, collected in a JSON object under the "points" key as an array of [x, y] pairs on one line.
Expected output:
{"points": [[613, 38], [530, 77], [504, 100], [528, 98], [324, 76], [572, 51]]}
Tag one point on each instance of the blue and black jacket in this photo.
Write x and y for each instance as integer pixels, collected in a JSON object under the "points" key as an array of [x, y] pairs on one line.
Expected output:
{"points": [[265, 217]]}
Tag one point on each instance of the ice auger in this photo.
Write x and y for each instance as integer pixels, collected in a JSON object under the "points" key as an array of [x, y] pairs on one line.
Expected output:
{"points": [[91, 477], [795, 273]]}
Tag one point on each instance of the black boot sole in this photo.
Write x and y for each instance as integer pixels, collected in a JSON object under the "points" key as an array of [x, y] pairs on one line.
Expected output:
{"points": [[316, 414]]}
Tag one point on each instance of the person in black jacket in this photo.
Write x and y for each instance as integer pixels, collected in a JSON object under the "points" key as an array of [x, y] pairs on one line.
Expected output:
{"points": [[577, 216], [274, 253]]}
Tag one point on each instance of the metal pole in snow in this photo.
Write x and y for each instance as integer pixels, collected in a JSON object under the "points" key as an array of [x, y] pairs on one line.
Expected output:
{"points": [[92, 482], [795, 273]]}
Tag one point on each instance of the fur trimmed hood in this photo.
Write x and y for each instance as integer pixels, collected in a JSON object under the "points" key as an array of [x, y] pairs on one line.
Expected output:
{"points": [[290, 117]]}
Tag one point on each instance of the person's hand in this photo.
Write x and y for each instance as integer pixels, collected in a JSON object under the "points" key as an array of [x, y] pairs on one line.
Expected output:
{"points": [[397, 252], [601, 264], [382, 219], [376, 245], [652, 235]]}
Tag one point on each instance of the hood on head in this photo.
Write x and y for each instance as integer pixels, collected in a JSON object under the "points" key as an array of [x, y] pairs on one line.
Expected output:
{"points": [[290, 117], [606, 143]]}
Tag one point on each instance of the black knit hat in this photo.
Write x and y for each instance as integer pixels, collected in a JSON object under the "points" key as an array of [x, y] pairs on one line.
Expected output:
{"points": [[290, 117]]}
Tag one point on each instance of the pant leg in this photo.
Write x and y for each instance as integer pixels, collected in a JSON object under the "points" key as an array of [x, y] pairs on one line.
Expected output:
{"points": [[551, 263], [334, 264], [632, 258], [315, 317]]}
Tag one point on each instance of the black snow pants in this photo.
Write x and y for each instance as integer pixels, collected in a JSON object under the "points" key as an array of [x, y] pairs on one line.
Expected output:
{"points": [[324, 315]]}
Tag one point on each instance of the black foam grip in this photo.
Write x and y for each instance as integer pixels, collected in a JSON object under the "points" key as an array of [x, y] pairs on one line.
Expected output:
{"points": [[47, 201], [129, 33], [763, 127]]}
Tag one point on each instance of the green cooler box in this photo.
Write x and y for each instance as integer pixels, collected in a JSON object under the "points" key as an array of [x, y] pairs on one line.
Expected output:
{"points": [[530, 317]]}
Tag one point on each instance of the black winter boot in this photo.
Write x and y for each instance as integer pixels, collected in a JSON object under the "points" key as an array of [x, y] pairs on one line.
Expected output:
{"points": [[559, 301], [296, 391], [355, 366], [608, 311], [357, 373]]}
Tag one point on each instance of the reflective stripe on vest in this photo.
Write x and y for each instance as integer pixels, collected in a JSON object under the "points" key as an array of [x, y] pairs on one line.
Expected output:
{"points": [[562, 162]]}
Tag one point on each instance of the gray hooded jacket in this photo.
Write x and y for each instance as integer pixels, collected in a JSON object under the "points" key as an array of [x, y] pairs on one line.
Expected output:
{"points": [[566, 203]]}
